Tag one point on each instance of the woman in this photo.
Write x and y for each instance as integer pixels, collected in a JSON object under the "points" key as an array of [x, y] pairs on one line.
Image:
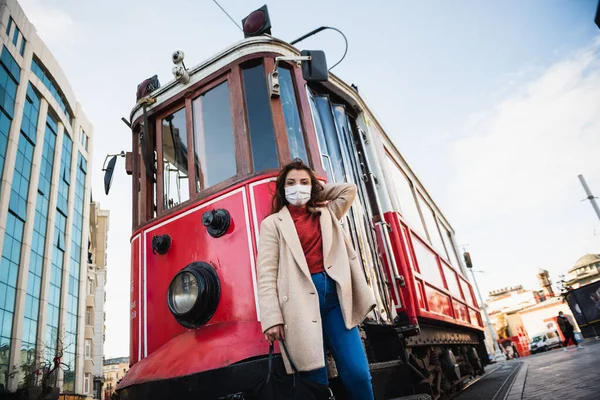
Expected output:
{"points": [[311, 288]]}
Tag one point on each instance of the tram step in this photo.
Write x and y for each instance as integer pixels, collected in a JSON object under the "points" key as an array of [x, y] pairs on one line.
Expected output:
{"points": [[384, 364]]}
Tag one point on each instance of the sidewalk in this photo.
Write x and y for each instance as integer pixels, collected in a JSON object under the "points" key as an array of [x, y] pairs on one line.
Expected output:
{"points": [[574, 374]]}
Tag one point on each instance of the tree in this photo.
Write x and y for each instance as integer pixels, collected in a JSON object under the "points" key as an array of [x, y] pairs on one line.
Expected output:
{"points": [[564, 288], [39, 375]]}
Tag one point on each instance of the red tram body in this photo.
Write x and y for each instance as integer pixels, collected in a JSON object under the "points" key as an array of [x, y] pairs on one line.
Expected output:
{"points": [[214, 139]]}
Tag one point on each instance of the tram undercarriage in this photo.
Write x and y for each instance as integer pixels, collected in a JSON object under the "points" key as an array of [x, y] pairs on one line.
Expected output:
{"points": [[437, 363]]}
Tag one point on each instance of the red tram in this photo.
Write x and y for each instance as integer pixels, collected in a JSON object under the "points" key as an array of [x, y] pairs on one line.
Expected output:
{"points": [[206, 149]]}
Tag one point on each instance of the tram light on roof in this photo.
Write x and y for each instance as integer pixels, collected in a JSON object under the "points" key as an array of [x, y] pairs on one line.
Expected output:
{"points": [[146, 87], [257, 23]]}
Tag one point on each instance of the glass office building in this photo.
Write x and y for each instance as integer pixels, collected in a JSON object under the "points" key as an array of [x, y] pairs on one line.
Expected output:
{"points": [[45, 149]]}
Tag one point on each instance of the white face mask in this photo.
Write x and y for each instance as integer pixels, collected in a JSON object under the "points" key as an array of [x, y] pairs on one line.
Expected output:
{"points": [[298, 195]]}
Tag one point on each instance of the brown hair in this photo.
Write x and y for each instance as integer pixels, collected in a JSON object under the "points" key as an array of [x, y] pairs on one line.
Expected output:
{"points": [[279, 200]]}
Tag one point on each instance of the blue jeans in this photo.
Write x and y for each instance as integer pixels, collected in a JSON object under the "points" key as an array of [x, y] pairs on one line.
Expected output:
{"points": [[345, 345]]}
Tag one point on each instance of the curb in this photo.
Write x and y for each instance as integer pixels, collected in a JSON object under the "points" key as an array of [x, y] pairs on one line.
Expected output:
{"points": [[518, 386]]}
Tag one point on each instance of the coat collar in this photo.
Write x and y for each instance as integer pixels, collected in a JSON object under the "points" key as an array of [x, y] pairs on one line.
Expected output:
{"points": [[290, 235]]}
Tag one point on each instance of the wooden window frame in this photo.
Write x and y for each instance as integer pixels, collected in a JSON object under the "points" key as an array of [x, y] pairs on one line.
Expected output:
{"points": [[240, 140]]}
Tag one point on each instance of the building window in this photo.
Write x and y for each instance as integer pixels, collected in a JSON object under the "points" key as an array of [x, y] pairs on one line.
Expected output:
{"points": [[174, 153], [10, 24], [84, 140], [214, 142], [260, 118], [88, 349], [88, 316], [16, 36], [90, 287], [86, 383], [22, 49]]}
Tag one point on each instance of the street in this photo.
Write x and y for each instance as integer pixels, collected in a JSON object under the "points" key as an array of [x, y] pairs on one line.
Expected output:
{"points": [[552, 375]]}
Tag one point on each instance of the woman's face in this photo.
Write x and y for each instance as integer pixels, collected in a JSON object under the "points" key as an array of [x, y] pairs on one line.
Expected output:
{"points": [[297, 177]]}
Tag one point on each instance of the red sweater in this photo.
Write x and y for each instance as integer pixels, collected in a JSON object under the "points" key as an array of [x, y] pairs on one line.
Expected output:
{"points": [[308, 228]]}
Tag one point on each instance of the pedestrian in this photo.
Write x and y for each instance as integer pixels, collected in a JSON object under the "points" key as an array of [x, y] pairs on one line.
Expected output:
{"points": [[311, 288], [515, 352], [567, 330]]}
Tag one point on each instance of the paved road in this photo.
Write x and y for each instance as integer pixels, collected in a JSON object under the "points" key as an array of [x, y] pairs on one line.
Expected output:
{"points": [[554, 375]]}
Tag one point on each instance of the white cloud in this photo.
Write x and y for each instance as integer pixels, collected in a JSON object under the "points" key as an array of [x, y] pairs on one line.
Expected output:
{"points": [[54, 25], [527, 151], [515, 192]]}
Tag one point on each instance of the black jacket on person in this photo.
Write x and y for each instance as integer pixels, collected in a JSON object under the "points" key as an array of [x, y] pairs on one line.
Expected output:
{"points": [[564, 324]]}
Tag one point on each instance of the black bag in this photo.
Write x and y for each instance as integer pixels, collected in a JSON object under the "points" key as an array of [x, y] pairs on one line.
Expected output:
{"points": [[277, 386]]}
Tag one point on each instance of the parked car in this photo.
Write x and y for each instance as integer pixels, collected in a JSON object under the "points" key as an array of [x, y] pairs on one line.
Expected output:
{"points": [[544, 341]]}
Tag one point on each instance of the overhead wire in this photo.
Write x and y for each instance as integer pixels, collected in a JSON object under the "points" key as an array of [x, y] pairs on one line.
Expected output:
{"points": [[322, 28], [226, 13]]}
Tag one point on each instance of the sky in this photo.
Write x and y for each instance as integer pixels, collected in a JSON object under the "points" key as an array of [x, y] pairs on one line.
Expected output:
{"points": [[495, 105]]}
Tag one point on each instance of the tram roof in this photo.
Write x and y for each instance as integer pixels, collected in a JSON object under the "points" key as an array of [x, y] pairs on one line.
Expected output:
{"points": [[269, 44]]}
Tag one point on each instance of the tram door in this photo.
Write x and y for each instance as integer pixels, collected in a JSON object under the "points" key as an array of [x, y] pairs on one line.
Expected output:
{"points": [[340, 158]]}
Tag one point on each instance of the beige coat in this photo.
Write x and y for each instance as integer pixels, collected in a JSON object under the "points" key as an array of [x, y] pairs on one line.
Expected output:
{"points": [[286, 292]]}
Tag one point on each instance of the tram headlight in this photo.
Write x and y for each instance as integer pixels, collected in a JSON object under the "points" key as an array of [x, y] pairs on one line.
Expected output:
{"points": [[194, 294], [184, 292]]}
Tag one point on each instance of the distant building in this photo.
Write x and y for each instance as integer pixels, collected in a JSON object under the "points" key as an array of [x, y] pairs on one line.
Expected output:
{"points": [[94, 302], [511, 299], [114, 370], [544, 281], [504, 305], [586, 270], [45, 149]]}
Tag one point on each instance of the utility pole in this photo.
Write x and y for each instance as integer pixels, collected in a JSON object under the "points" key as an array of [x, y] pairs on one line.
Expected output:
{"points": [[498, 352], [589, 195]]}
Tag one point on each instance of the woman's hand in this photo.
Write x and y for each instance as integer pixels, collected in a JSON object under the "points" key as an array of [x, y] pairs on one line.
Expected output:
{"points": [[274, 333]]}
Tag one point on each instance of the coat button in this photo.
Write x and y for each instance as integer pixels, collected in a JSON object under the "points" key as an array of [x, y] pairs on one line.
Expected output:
{"points": [[285, 326], [312, 293], [285, 298], [329, 267], [315, 321]]}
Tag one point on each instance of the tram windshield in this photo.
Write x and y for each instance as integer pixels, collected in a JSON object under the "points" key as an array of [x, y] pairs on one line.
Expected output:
{"points": [[225, 130]]}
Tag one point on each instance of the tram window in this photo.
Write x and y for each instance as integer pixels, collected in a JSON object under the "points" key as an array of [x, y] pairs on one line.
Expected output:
{"points": [[213, 137], [452, 281], [468, 295], [404, 195], [291, 115], [449, 247], [318, 124], [260, 118], [174, 154], [434, 234], [428, 264]]}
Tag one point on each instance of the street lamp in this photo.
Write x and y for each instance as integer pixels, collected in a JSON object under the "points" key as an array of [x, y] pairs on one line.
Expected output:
{"points": [[498, 353]]}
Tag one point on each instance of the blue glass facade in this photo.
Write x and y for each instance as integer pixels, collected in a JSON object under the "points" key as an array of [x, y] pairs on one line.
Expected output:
{"points": [[9, 80], [17, 211], [9, 268], [74, 270], [36, 262], [59, 247], [47, 80], [39, 283]]}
